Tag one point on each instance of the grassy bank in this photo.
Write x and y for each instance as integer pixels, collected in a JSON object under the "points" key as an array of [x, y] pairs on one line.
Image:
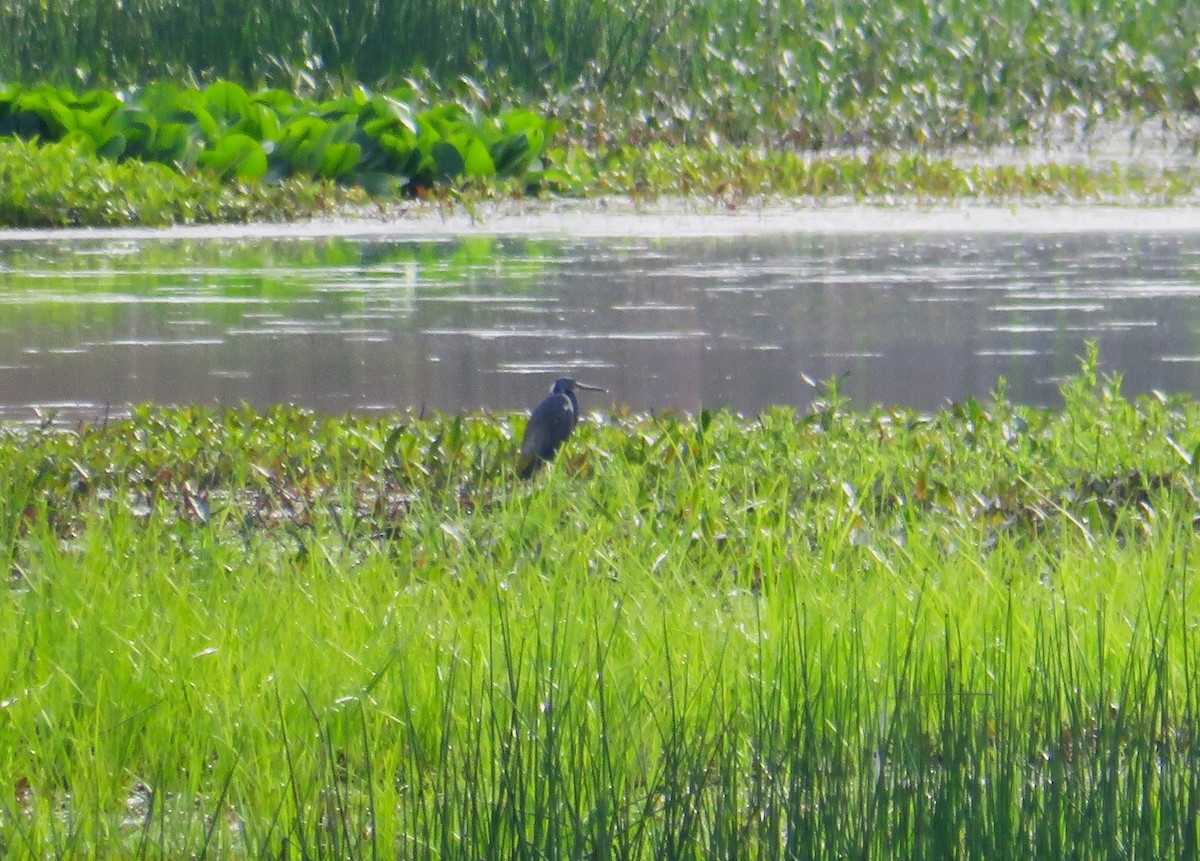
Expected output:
{"points": [[855, 633], [64, 185], [727, 101], [816, 73]]}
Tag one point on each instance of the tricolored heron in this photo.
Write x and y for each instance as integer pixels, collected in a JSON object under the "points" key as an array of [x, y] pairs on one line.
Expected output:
{"points": [[550, 423]]}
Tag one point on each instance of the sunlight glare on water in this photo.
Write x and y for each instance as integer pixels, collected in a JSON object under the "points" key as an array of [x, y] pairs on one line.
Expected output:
{"points": [[362, 323]]}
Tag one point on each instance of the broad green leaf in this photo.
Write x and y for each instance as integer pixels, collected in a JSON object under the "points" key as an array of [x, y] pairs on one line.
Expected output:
{"points": [[296, 133], [227, 100], [191, 104], [340, 106], [170, 144], [340, 132], [537, 140], [236, 155], [280, 101], [138, 127], [444, 119], [400, 142], [521, 119], [340, 159], [57, 119], [553, 176], [477, 161]]}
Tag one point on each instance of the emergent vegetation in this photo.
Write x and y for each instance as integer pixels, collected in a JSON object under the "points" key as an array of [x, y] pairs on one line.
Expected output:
{"points": [[810, 72], [840, 634], [725, 100], [384, 142], [66, 185]]}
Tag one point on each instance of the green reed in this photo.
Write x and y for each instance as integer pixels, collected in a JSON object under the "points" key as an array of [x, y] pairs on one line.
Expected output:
{"points": [[848, 633], [286, 41], [771, 72]]}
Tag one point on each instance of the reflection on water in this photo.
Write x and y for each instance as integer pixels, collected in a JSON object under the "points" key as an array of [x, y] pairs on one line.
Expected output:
{"points": [[345, 324]]}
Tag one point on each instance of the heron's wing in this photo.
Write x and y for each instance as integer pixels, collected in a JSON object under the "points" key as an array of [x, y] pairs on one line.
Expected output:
{"points": [[549, 426]]}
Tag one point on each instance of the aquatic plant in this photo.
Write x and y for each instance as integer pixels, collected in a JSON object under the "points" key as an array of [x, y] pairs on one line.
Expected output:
{"points": [[385, 142], [848, 632], [66, 185], [795, 73], [734, 176]]}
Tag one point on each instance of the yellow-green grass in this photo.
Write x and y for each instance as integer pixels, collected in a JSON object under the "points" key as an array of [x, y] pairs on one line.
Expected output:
{"points": [[844, 633], [64, 185], [58, 185], [736, 176]]}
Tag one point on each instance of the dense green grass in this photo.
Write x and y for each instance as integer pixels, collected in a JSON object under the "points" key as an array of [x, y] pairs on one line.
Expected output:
{"points": [[840, 634], [739, 175], [65, 185], [716, 99], [782, 72]]}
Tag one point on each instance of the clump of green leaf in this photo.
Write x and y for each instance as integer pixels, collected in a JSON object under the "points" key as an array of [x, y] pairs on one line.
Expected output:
{"points": [[66, 185], [385, 142]]}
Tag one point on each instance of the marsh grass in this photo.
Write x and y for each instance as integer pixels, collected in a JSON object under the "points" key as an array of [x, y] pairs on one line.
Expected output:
{"points": [[849, 633], [736, 176], [64, 185], [60, 185], [793, 73]]}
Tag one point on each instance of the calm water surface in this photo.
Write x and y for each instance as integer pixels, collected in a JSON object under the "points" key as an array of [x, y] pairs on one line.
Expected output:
{"points": [[487, 322]]}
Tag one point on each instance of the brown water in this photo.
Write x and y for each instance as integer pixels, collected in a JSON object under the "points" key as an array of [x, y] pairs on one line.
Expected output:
{"points": [[454, 324]]}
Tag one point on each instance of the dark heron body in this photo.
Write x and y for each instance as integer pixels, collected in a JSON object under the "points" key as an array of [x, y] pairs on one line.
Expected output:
{"points": [[550, 423]]}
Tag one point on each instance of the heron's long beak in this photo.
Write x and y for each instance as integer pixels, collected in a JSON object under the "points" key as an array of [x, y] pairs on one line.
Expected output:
{"points": [[588, 388]]}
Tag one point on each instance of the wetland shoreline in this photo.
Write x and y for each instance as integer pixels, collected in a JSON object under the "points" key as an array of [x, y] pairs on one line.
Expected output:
{"points": [[616, 217]]}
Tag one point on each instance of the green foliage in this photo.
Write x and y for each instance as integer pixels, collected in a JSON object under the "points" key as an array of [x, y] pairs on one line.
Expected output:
{"points": [[811, 73], [365, 138], [917, 72], [287, 41], [737, 175], [66, 185], [838, 634]]}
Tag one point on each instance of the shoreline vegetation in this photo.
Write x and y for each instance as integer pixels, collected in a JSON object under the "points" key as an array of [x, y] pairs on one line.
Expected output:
{"points": [[843, 633], [809, 74], [290, 111], [64, 184]]}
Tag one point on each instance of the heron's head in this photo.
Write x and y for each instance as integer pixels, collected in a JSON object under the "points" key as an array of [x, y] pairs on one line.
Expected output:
{"points": [[568, 386]]}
